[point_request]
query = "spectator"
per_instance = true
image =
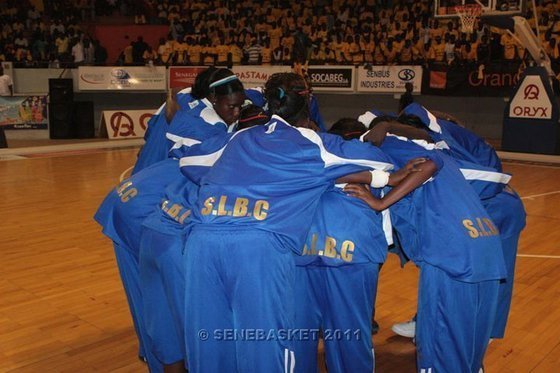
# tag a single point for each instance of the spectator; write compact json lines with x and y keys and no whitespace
{"x":235,"y":55}
{"x":390,"y":53}
{"x":277,"y":56}
{"x":437,"y":52}
{"x":194,"y":51}
{"x":100,"y":53}
{"x":78,"y":52}
{"x":6,"y":84}
{"x":222,"y":51}
{"x":126,"y":57}
{"x":150,"y":56}
{"x":57,"y":26}
{"x":62,"y":46}
{"x":138,"y":49}
{"x":89,"y":52}
{"x":317,"y":56}
{"x":508,"y":44}
{"x":254,"y":53}
{"x":165,"y":50}
{"x":208,"y":52}
{"x":483,"y":50}
{"x":449,"y":48}
{"x":405,"y":55}
{"x":266,"y":54}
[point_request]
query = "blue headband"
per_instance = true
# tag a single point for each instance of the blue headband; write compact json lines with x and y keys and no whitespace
{"x":223,"y":81}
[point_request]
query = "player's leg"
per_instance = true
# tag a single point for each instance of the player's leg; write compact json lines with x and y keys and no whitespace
{"x":507,"y":212}
{"x":162,"y":281}
{"x":130,"y":276}
{"x":208,"y":314}
{"x":261,"y":276}
{"x":485,"y":318}
{"x":445,"y":323}
{"x":347,"y":310}
{"x":505,"y":292}
{"x":307,"y":319}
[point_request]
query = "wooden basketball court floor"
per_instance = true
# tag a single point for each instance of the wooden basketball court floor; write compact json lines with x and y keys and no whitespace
{"x":62,"y":306}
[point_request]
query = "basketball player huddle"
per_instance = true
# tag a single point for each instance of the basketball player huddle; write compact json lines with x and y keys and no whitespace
{"x":247,"y":232}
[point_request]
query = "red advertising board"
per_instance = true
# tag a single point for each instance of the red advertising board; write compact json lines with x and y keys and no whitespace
{"x":183,"y":76}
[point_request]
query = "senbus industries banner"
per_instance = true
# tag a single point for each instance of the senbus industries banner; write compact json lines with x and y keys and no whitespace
{"x":138,"y":78}
{"x":389,"y":79}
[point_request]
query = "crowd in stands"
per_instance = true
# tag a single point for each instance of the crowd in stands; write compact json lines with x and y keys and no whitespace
{"x":376,"y":32}
{"x":53,"y":36}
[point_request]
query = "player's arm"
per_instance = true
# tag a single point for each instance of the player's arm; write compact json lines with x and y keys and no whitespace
{"x":394,"y":179}
{"x":377,"y":134}
{"x":412,"y":181}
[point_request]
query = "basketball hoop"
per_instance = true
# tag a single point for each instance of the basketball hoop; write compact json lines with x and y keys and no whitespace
{"x":468,"y":15}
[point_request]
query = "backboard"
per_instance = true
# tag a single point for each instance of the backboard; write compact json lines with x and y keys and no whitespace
{"x":446,"y":8}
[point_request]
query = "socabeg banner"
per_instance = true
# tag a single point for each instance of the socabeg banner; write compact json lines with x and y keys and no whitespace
{"x":183,"y":76}
{"x":139,"y":78}
{"x":127,"y":124}
{"x":331,"y":78}
{"x":23,"y":112}
{"x":256,"y":76}
{"x":389,"y":79}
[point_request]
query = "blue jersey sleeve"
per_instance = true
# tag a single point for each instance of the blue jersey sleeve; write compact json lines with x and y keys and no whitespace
{"x":341,"y":157}
{"x":195,"y":161}
{"x":315,"y":114}
{"x":463,"y":144}
{"x":256,"y":96}
{"x":156,"y":147}
{"x":400,"y":151}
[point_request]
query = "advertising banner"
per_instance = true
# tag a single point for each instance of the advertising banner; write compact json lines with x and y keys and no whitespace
{"x":389,"y":79}
{"x":183,"y":76}
{"x":24,"y":112}
{"x":332,"y":78}
{"x":531,"y":100}
{"x":494,"y":79}
{"x":127,"y":124}
{"x":256,"y":76}
{"x":139,"y":78}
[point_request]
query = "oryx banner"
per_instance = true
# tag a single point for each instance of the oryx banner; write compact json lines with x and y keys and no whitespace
{"x":135,"y":78}
{"x":127,"y":124}
{"x":331,"y":78}
{"x":23,"y":112}
{"x":389,"y":79}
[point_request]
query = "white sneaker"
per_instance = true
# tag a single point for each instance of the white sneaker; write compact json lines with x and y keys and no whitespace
{"x":405,"y":329}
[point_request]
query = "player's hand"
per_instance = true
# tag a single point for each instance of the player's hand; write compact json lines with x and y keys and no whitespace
{"x":362,"y":192}
{"x":413,"y":165}
{"x":377,"y":134}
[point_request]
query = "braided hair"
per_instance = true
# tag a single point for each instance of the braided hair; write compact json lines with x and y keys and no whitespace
{"x":348,"y":128}
{"x":287,"y":96}
{"x":220,"y":82}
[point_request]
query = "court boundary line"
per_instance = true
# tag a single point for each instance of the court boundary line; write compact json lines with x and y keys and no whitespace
{"x":106,"y":144}
{"x":529,"y":157}
{"x":527,"y":164}
{"x":541,"y":195}
{"x":538,"y":256}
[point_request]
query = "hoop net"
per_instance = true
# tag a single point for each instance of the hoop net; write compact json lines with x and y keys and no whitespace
{"x":468,"y":15}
